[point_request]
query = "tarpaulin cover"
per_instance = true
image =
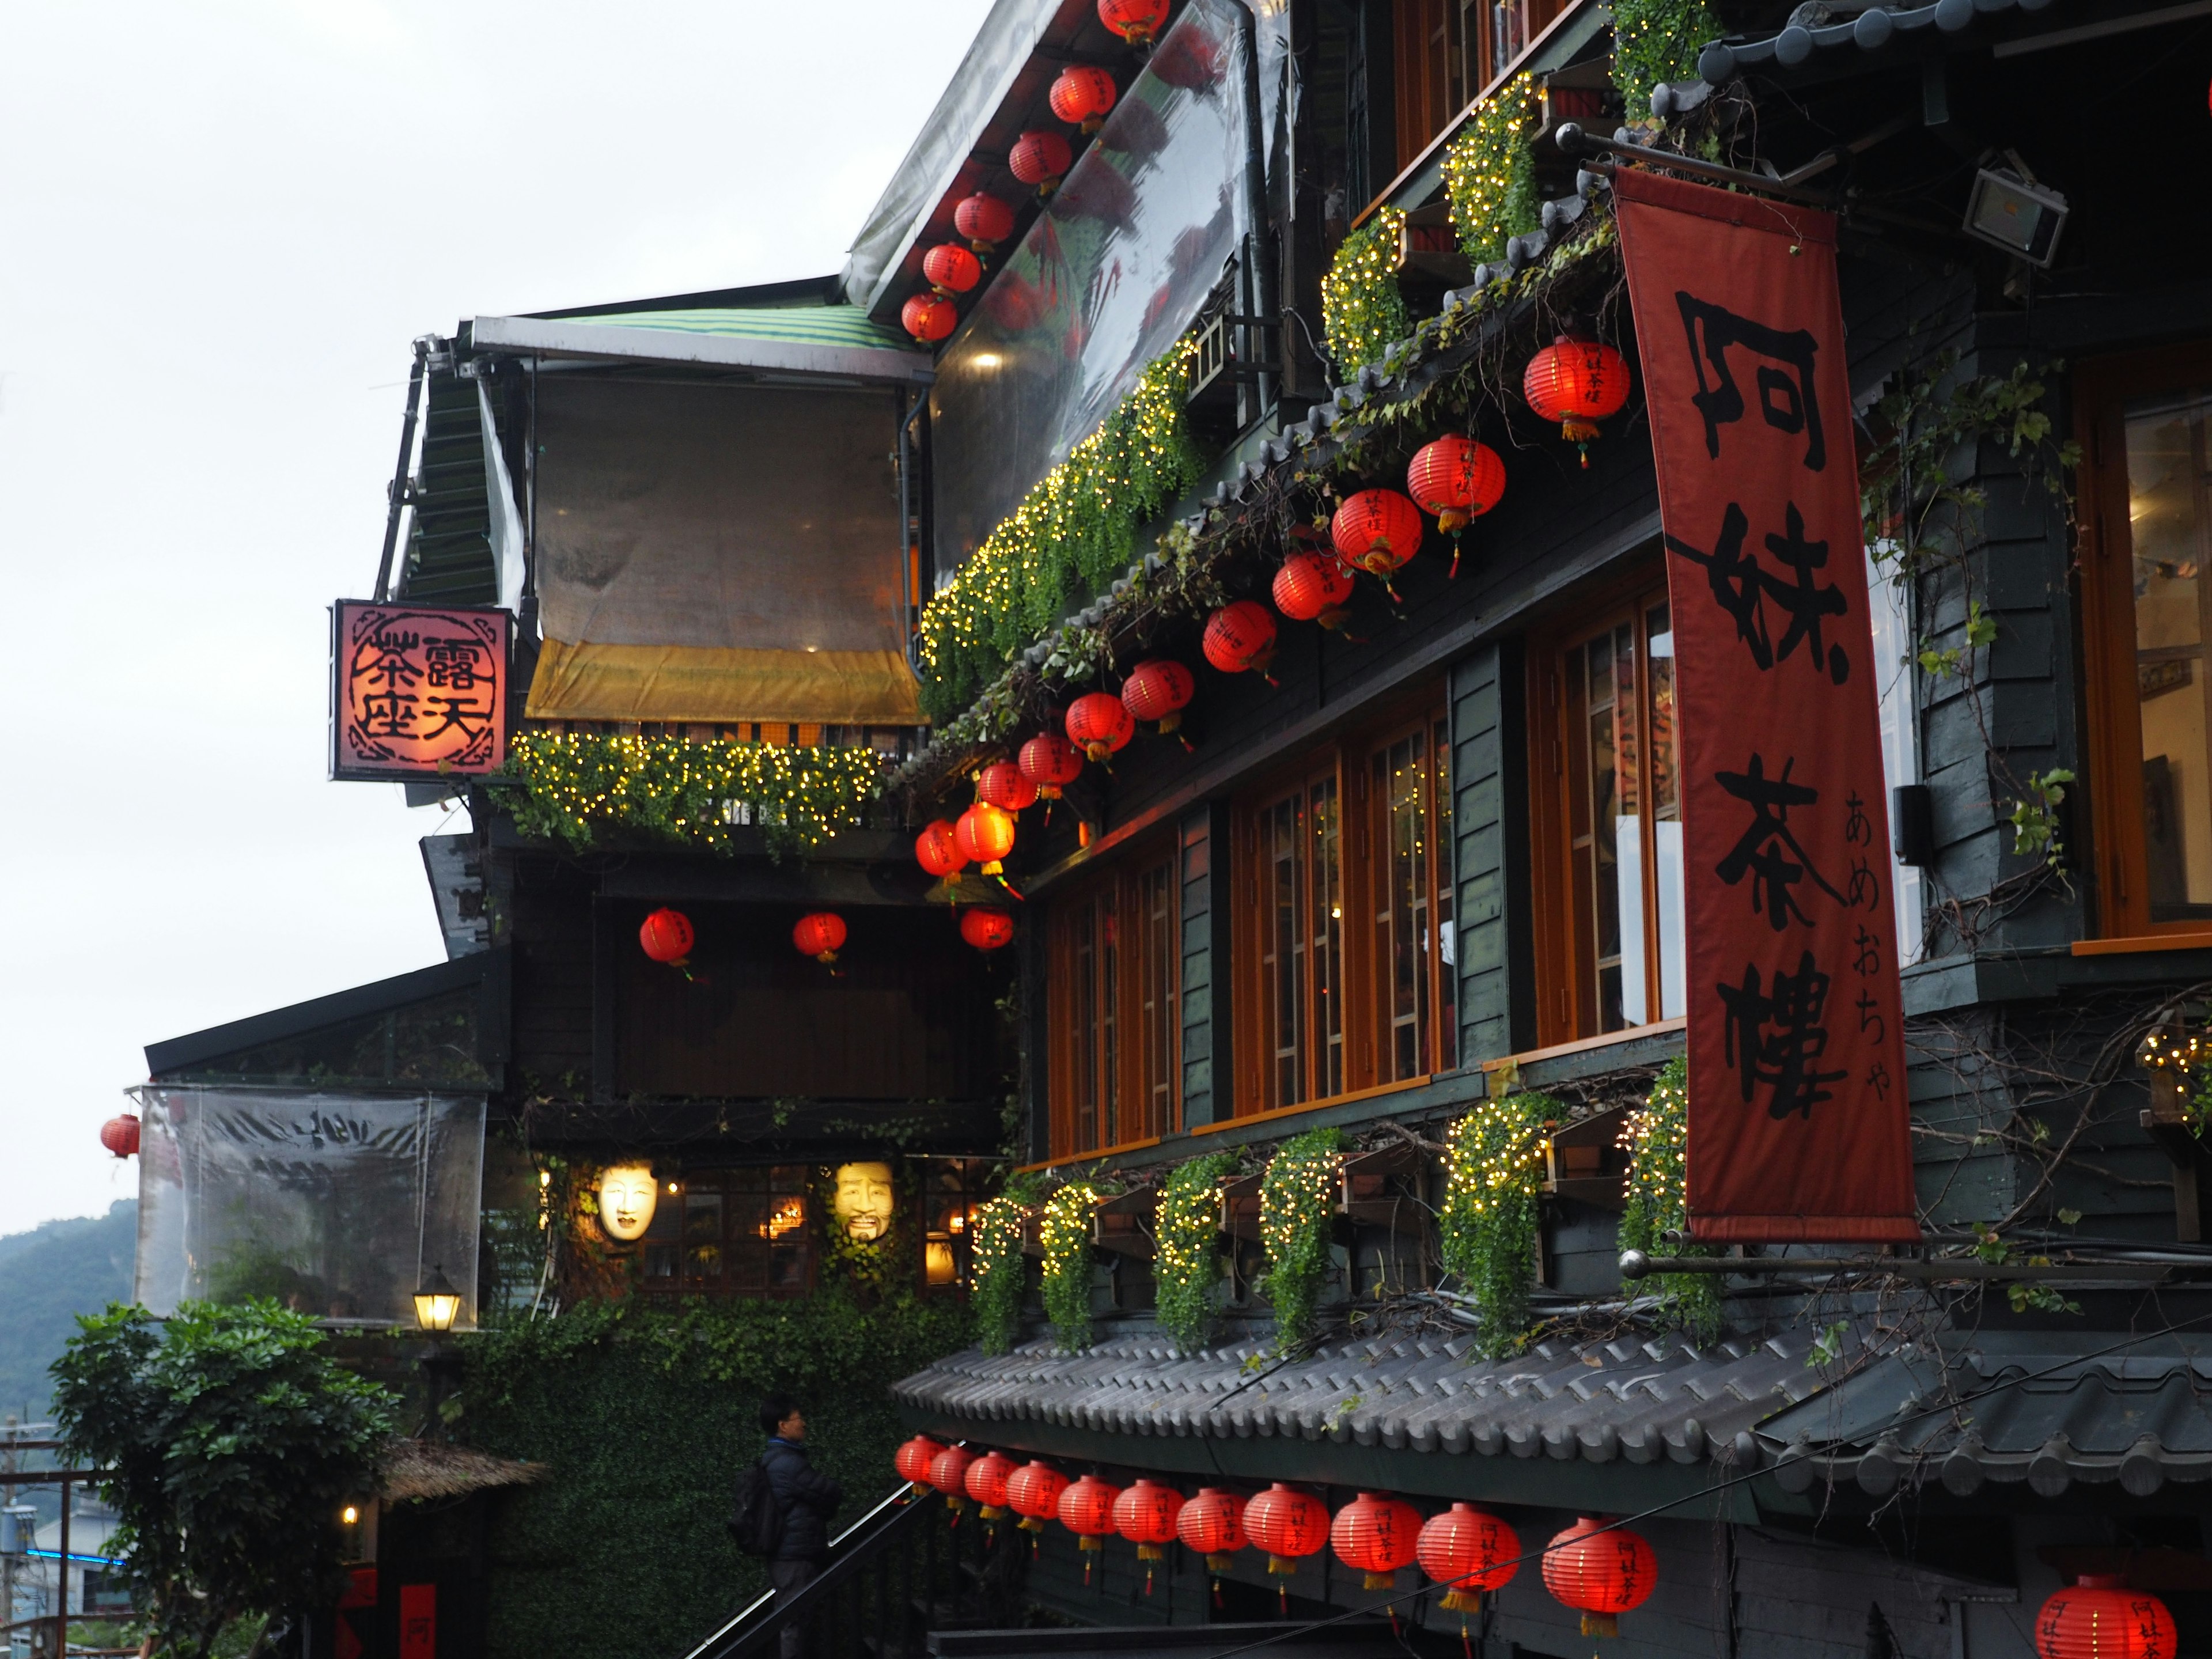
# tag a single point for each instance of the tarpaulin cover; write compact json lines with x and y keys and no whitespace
{"x":1108,"y":276}
{"x":337,"y":1204}
{"x":1798,"y":1124}
{"x":724,"y":520}
{"x":683,"y":683}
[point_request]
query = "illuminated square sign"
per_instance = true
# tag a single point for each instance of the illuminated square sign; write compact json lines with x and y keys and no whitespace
{"x":418,"y":691}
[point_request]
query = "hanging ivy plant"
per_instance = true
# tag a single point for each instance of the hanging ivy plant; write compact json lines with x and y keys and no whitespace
{"x":1657,"y":1137}
{"x":1065,"y":1232}
{"x":1185,"y":1251}
{"x":1494,"y":1184}
{"x":996,"y":1269}
{"x":1656,"y":40}
{"x":573,"y":788}
{"x":1489,"y":173}
{"x":1363,"y":310}
{"x":1298,"y":1198}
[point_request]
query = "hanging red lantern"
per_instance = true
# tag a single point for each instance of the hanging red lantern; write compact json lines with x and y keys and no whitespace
{"x":821,"y":936}
{"x":951,"y":268}
{"x":1577,"y":383}
{"x":1099,"y":723}
{"x":1377,"y":530}
{"x":2100,"y":1619}
{"x":1314,"y":587}
{"x":1158,"y":689}
{"x":1041,"y":159}
{"x":1458,"y":480}
{"x":938,"y":851}
{"x":929,"y":318}
{"x":985,"y":221}
{"x":1212,"y":1524}
{"x":986,"y":928}
{"x":1134,"y":20}
{"x":985,"y":835}
{"x":1086,"y":1509}
{"x":1601,"y":1572}
{"x":1051,"y":762}
{"x":986,"y":1482}
{"x":666,"y":937}
{"x":1289,"y":1524}
{"x":119,"y":1134}
{"x":1033,"y":1492}
{"x":1145,"y":1515}
{"x":1240,"y":635}
{"x":1469,"y":1551}
{"x":948,"y":1471}
{"x":1082,"y":95}
{"x":1003,"y":784}
{"x":913,"y":1459}
{"x":1378,"y":1535}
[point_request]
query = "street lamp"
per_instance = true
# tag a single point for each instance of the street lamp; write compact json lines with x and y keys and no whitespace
{"x":436,"y":1303}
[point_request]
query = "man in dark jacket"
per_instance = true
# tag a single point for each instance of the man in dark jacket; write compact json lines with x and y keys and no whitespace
{"x":807,"y":1498}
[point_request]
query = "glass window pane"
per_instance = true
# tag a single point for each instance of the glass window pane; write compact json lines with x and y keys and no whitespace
{"x":703,"y":1236}
{"x":1327,"y":913}
{"x":1447,"y":935}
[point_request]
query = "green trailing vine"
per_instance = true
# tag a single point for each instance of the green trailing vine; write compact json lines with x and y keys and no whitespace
{"x":1655,"y":1137}
{"x":1073,"y":533}
{"x":1297,"y":1200}
{"x":1186,"y":1252}
{"x":1656,"y":40}
{"x":996,"y":1268}
{"x":577,"y":789}
{"x":1493,"y":1189}
{"x":1362,"y":308}
{"x":1489,"y":173}
{"x":1065,"y":1232}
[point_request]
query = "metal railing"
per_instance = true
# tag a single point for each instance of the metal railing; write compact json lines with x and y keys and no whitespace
{"x":67,"y":1560}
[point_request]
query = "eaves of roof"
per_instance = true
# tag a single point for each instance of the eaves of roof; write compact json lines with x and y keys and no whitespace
{"x":837,"y":341}
{"x":1872,"y":30}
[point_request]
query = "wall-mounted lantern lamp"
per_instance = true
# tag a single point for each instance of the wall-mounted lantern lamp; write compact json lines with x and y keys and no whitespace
{"x":437,"y":1303}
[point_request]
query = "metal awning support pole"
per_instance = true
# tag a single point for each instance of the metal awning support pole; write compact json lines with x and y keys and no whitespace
{"x":397,"y":496}
{"x":61,"y":1578}
{"x":1260,"y":286}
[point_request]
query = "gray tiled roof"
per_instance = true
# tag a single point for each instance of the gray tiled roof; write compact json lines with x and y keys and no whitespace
{"x":1869,"y":31}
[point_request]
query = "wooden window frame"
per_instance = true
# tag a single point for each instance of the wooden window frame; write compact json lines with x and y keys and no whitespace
{"x":1118,"y":893}
{"x":730,"y":1187}
{"x":2102,"y":389}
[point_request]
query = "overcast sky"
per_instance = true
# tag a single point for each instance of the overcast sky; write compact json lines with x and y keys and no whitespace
{"x":221,"y":223}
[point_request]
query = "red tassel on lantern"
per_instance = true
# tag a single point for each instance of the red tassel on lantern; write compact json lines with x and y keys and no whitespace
{"x":1458,"y":480}
{"x":1377,"y":530}
{"x":666,"y":937}
{"x":119,"y":1134}
{"x":1082,"y":95}
{"x":929,"y":318}
{"x":1600,"y":1572}
{"x":986,"y":928}
{"x":1005,"y":786}
{"x":1051,"y":762}
{"x":951,"y":268}
{"x":821,"y":936}
{"x":1240,"y":635}
{"x":1135,"y":21}
{"x":938,"y":852}
{"x":1378,"y":1535}
{"x":2098,"y":1618}
{"x":1086,"y":1509}
{"x":1098,"y":721}
{"x":1041,"y":159}
{"x":985,"y":221}
{"x":1314,"y":587}
{"x":1290,"y":1525}
{"x":1158,"y":689}
{"x":987,"y":1479}
{"x":1033,"y":1492}
{"x":1145,"y":1515}
{"x":1577,"y":383}
{"x":913,"y":1459}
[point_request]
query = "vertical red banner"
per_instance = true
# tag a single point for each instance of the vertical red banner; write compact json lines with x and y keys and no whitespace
{"x":1798,"y":1124}
{"x":419,"y":1621}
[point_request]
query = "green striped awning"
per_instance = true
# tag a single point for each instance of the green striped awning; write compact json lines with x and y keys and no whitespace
{"x":829,"y":326}
{"x":837,"y":340}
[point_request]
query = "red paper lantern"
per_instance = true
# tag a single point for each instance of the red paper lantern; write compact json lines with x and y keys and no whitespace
{"x":1377,"y":530}
{"x":119,"y":1134}
{"x":1082,"y":95}
{"x":1134,"y":20}
{"x":666,"y":937}
{"x":1041,"y":159}
{"x":1003,"y":784}
{"x":986,"y":928}
{"x":938,"y":851}
{"x":985,"y":835}
{"x":1145,"y":1515}
{"x":986,"y":1482}
{"x":913,"y":1459}
{"x":1158,"y":689}
{"x":948,"y":1471}
{"x":1313,"y":587}
{"x":821,"y":936}
{"x":951,"y":268}
{"x":985,"y":221}
{"x":1456,"y":478}
{"x":1033,"y":1492}
{"x":1577,"y":383}
{"x":2100,"y":1619}
{"x":1050,"y":762}
{"x":929,"y":318}
{"x":1240,"y":635}
{"x":1601,"y":1571}
{"x":1289,"y":1524}
{"x":1378,"y":1535}
{"x":1099,"y":723}
{"x":1086,"y":1509}
{"x":1213,"y":1525}
{"x":1470,"y":1551}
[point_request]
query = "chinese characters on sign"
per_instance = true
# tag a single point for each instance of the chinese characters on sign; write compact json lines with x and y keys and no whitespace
{"x":1797,"y":1116}
{"x":417,"y":692}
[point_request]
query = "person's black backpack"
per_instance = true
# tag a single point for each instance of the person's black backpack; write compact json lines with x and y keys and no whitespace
{"x":756,"y":1517}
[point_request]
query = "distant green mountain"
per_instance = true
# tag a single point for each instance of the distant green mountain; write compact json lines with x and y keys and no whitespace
{"x":47,"y":1277}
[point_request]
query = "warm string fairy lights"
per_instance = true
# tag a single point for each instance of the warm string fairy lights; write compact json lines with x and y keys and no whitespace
{"x":1185,"y":1249}
{"x":1656,"y":40}
{"x":2187,"y":1060}
{"x":1493,"y":1186}
{"x":1072,"y":533}
{"x":574,"y":787}
{"x":1489,"y":173}
{"x":995,"y":1244}
{"x":1297,"y":1197}
{"x":1657,"y":1137}
{"x":1064,"y":1229}
{"x":1363,"y":310}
